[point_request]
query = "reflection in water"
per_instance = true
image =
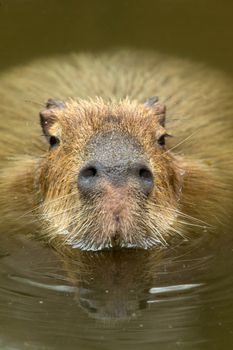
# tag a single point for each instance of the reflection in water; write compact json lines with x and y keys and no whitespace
{"x":163,"y":296}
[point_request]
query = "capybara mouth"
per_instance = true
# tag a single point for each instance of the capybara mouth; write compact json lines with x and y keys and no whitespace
{"x":114,"y":232}
{"x":115,"y":242}
{"x":112,"y":202}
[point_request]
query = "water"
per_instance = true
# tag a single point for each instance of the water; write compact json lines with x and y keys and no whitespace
{"x":178,"y":298}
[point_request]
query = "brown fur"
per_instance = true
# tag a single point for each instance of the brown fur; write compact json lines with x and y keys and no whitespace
{"x":192,"y":174}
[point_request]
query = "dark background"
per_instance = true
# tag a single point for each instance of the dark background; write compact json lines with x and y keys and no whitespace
{"x":198,"y":29}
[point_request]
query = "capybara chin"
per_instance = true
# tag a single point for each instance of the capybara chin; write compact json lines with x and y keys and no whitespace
{"x":117,"y":166}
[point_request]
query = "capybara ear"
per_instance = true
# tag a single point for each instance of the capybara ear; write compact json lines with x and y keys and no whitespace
{"x":47,"y":121}
{"x":50,"y":123}
{"x":158,"y":108}
{"x":51,"y":103}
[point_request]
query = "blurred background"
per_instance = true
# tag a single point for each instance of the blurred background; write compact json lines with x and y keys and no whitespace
{"x":198,"y":29}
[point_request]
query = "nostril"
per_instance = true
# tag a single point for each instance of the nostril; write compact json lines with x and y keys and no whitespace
{"x":145,"y":174}
{"x":146,"y":179}
{"x":87,"y":178}
{"x":89,"y":172}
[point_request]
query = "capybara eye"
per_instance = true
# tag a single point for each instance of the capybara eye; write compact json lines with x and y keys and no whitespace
{"x":161,"y":140}
{"x":54,"y":141}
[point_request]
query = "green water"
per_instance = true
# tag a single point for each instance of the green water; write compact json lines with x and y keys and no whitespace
{"x":183,"y":300}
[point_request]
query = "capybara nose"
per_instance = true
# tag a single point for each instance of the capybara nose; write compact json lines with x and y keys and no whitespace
{"x":139,"y":174}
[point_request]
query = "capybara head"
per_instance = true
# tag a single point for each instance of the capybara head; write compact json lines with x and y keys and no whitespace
{"x":107,"y":179}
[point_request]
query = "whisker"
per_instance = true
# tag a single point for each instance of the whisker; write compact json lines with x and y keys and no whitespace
{"x":35,"y":103}
{"x":182,"y":235}
{"x":46,"y":204}
{"x":181,"y":142}
{"x":63,"y":211}
{"x":178,"y":212}
{"x":190,"y":224}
